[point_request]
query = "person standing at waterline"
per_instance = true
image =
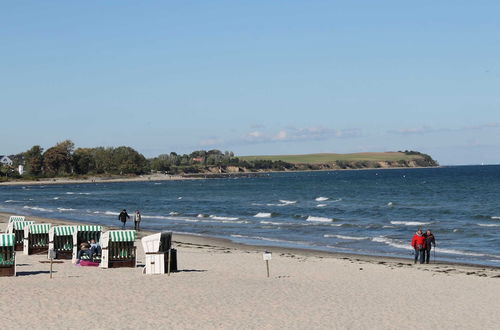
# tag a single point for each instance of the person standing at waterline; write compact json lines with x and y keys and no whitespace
{"x":137,"y":220}
{"x":123,"y":216}
{"x":418,"y":243}
{"x":429,"y":239}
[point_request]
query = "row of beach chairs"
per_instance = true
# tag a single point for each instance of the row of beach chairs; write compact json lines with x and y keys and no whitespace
{"x":118,"y":246}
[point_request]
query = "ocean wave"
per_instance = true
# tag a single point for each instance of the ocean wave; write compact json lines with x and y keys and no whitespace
{"x":336,"y":200}
{"x":79,"y":193}
{"x":215,"y":217}
{"x":356,"y":238}
{"x":106,"y":212}
{"x":410,"y":223}
{"x":489,"y":224}
{"x":62,"y":209}
{"x":495,"y":218}
{"x":201,"y":215}
{"x":393,"y":243}
{"x":274,"y":223}
{"x":277,"y":240}
{"x":12,"y":201}
{"x":321,"y":199}
{"x":318,"y":219}
{"x":174,"y":213}
{"x":286,"y":202}
{"x":390,"y":204}
{"x":263,"y":215}
{"x":35,"y":208}
{"x":321,"y":205}
{"x":55,"y":198}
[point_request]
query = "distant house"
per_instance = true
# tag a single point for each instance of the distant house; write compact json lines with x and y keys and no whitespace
{"x":198,"y":159}
{"x":5,"y":160}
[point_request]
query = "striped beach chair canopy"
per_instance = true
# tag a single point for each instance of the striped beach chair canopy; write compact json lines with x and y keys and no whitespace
{"x":64,"y":230}
{"x":14,"y":218}
{"x":88,"y":228}
{"x":7,"y":240}
{"x":39,"y":228}
{"x":122,"y":235}
{"x":19,"y":225}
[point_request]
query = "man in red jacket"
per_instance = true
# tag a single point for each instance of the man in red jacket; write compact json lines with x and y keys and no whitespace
{"x":418,"y":243}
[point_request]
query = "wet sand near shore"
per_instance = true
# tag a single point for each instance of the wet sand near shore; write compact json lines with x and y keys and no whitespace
{"x":223,"y":285}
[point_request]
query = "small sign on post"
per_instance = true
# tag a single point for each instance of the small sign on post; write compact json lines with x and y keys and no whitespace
{"x":267,"y":256}
{"x":52,"y":255}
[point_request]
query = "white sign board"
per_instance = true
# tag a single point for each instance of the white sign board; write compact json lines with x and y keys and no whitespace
{"x":267,"y":256}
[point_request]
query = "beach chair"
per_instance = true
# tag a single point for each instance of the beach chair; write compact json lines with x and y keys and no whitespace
{"x":84,"y":233}
{"x":61,"y":241}
{"x":118,"y":249}
{"x":7,"y":255}
{"x":17,"y":228}
{"x":158,"y":248}
{"x":36,"y":238}
{"x":13,"y":218}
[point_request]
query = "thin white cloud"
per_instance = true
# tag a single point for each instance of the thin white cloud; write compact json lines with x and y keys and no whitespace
{"x":291,"y":134}
{"x":428,"y":130}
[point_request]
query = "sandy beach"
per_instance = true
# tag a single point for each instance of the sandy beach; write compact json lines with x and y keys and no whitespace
{"x":223,"y":285}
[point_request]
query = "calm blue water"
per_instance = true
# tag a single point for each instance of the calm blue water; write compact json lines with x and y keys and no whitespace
{"x":371,"y":212}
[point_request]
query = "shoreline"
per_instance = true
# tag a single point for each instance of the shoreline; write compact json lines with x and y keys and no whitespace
{"x":193,"y":176}
{"x":184,"y":239}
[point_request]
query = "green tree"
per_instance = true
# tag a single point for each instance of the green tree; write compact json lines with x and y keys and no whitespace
{"x":34,"y":161}
{"x":57,"y":160}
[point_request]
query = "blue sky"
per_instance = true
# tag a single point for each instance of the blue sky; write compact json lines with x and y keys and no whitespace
{"x":254,"y":77}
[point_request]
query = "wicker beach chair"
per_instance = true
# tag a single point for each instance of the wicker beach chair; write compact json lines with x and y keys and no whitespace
{"x":84,"y":233}
{"x":61,"y":241}
{"x":118,"y":249}
{"x":7,"y":255}
{"x":36,"y":238}
{"x":158,"y":249}
{"x":17,"y":228}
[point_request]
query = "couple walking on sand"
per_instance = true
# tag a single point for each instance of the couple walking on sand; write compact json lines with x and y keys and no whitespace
{"x":422,"y":243}
{"x":123,"y":216}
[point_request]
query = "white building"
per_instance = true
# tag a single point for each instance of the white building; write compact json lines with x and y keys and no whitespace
{"x":20,"y":169}
{"x":5,"y":160}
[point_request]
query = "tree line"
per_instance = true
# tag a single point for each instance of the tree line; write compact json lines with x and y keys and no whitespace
{"x":64,"y":160}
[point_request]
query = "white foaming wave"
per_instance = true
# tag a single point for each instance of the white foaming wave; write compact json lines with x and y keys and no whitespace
{"x":155,"y":217}
{"x":387,"y":226}
{"x":263,"y":215}
{"x":390,"y":204}
{"x":12,"y":201}
{"x":273,"y":223}
{"x":260,"y":238}
{"x":80,"y":193}
{"x":174,"y":213}
{"x":495,"y":218}
{"x":318,"y":219}
{"x":55,"y":198}
{"x":286,"y":202}
{"x":201,"y":215}
{"x":215,"y":217}
{"x":322,"y":199}
{"x":410,"y":223}
{"x":391,"y":242}
{"x":336,"y":200}
{"x":321,"y":205}
{"x":356,"y":238}
{"x":489,"y":224}
{"x":106,"y":212}
{"x":62,"y":209}
{"x":37,"y":208}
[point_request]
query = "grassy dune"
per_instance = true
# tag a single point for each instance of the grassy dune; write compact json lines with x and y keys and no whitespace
{"x":330,"y":158}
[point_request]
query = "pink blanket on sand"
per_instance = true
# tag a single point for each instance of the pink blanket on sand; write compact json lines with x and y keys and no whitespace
{"x":88,"y":263}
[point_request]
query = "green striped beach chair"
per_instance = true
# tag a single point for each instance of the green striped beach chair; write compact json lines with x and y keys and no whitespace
{"x":13,"y":218}
{"x":7,"y":255}
{"x":84,"y":233}
{"x":118,"y":249}
{"x":36,"y":238}
{"x":61,"y":241}
{"x":17,"y":228}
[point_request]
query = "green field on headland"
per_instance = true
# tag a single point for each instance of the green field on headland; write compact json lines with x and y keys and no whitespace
{"x":325,"y":158}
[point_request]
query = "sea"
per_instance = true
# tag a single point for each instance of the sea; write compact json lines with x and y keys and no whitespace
{"x":366,"y":212}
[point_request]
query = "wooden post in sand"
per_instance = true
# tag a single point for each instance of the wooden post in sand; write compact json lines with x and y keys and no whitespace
{"x":52,"y":255}
{"x":267,"y":256}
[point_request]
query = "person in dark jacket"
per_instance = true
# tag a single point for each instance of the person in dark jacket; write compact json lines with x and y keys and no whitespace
{"x":429,"y":239}
{"x":418,"y":243}
{"x":123,"y":216}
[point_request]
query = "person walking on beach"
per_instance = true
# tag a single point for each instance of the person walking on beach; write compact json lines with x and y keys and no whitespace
{"x":418,"y":243}
{"x":137,"y":220}
{"x":123,"y":216}
{"x":429,"y":239}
